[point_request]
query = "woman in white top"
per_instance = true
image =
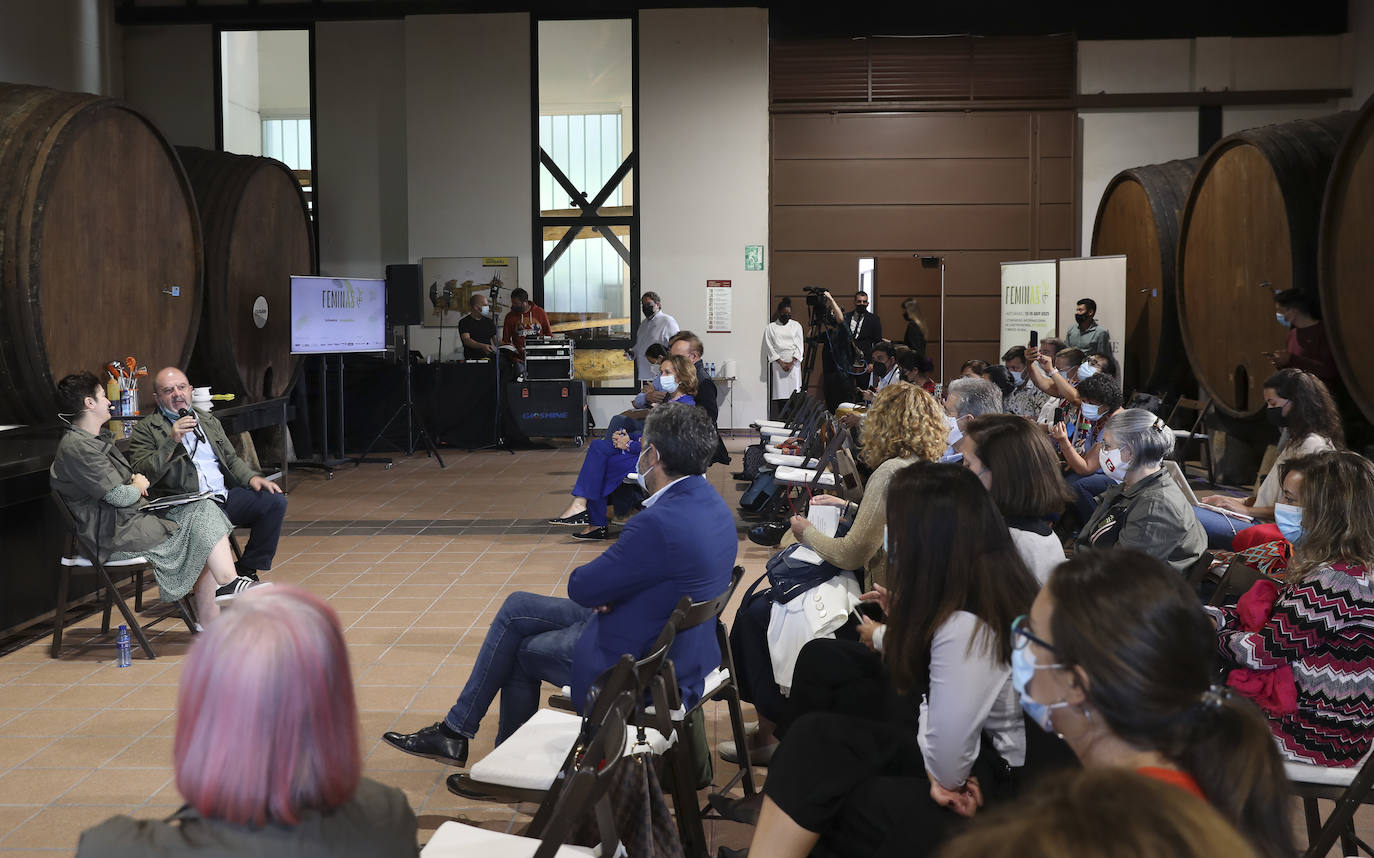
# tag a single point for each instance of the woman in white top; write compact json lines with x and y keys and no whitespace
{"x":848,"y":786}
{"x":1016,"y":463}
{"x":1298,"y":404}
{"x":784,"y":341}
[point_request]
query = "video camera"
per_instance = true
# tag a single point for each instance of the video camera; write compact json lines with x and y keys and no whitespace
{"x":816,"y":302}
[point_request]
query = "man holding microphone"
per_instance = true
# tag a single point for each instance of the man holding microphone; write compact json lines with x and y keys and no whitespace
{"x":182,"y":449}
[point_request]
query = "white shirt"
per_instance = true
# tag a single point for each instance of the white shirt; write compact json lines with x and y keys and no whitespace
{"x":970,"y":691}
{"x":656,"y":330}
{"x":207,"y":464}
{"x":785,"y":342}
{"x":889,"y":378}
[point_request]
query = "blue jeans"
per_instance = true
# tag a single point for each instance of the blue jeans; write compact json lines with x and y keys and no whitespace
{"x":1086,"y":489}
{"x":530,"y":641}
{"x":263,"y":513}
{"x":1221,"y":529}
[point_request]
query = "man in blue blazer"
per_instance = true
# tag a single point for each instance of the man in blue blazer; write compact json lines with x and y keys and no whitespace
{"x":682,"y":544}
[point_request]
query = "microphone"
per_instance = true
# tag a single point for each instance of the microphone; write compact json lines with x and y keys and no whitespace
{"x":186,"y":412}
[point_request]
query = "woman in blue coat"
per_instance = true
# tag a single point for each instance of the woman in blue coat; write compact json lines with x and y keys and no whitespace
{"x":610,"y":460}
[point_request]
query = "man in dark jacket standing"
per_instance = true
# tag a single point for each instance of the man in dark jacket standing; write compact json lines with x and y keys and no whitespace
{"x":180,"y":454}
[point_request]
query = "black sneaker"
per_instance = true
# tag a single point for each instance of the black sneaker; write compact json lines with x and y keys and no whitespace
{"x":236,"y":588}
{"x":432,"y":744}
{"x":576,"y":518}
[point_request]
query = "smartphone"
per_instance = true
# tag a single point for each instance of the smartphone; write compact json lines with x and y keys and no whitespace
{"x":1034,"y":340}
{"x":1058,"y":416}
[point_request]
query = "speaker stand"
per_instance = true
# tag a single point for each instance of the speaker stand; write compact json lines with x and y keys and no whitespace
{"x":415,"y":424}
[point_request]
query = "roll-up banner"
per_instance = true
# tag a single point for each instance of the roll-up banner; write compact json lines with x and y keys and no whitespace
{"x":1028,"y":302}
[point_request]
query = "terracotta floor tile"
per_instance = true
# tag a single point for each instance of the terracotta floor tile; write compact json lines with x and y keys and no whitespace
{"x":59,"y":827}
{"x":150,"y":751}
{"x":119,"y":786}
{"x":38,"y":786}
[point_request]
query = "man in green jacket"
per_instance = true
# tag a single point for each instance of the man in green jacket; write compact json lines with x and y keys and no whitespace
{"x":183,"y":449}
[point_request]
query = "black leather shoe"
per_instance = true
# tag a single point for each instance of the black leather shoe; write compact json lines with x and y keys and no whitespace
{"x":460,"y":785}
{"x":576,"y":518}
{"x":594,"y":533}
{"x":430,"y":743}
{"x":767,"y":535}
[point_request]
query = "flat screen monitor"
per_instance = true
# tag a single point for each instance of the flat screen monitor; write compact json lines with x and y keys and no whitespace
{"x":333,"y":315}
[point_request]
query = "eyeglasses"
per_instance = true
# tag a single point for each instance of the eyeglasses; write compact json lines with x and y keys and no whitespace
{"x":1021,"y":635}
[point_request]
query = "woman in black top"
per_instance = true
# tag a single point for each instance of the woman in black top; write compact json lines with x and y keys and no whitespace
{"x":915,"y":336}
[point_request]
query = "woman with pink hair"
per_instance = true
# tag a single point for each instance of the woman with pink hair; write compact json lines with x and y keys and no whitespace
{"x":266,"y":751}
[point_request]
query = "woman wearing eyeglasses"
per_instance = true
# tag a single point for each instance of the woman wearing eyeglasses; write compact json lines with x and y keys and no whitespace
{"x":1115,"y":656}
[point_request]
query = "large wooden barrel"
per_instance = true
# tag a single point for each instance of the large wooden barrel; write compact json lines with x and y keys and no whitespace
{"x":1139,"y":216}
{"x":98,"y":230}
{"x":257,"y":234}
{"x":1249,"y":229}
{"x":1346,"y":261}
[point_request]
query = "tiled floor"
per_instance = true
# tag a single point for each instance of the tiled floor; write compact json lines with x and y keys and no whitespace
{"x":415,"y":559}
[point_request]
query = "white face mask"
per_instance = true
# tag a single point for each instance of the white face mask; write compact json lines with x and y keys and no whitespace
{"x":1016,"y":376}
{"x":641,"y":475}
{"x":486,"y":309}
{"x":1092,"y":412}
{"x":1085,"y":370}
{"x":1111,"y":463}
{"x":954,"y":434}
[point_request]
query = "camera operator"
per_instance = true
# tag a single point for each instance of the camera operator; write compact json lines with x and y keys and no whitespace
{"x":837,"y":351}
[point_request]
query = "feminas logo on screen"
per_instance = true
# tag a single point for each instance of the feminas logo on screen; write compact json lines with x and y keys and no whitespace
{"x":346,"y":298}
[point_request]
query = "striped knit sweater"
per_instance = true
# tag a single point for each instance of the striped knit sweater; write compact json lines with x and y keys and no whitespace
{"x":1324,"y":628}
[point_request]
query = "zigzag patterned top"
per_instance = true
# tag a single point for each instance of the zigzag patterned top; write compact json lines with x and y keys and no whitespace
{"x":1324,"y":628}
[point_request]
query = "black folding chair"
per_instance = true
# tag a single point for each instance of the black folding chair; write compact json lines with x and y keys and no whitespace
{"x":1348,"y":788}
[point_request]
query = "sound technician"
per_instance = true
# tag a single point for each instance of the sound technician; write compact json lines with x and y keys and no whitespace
{"x":182,"y":449}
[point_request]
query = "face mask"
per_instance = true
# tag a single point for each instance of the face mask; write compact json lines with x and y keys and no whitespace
{"x":784,"y":318}
{"x":1016,"y":376}
{"x":1023,"y":668}
{"x":667,"y":383}
{"x":639,"y":476}
{"x":954,"y":433}
{"x":486,"y":309}
{"x":1275,"y":417}
{"x":169,"y":414}
{"x":1092,"y":412}
{"x":1111,"y":463}
{"x":861,"y":310}
{"x":648,"y":310}
{"x":885,"y":548}
{"x":1086,"y":370}
{"x":1080,"y":318}
{"x":1283,"y":321}
{"x":1289,"y":519}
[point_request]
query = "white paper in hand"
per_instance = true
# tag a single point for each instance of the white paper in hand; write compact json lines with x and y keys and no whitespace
{"x":826,"y":519}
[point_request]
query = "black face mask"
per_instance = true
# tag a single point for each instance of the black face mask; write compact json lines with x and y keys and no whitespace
{"x":1275,"y":417}
{"x":784,"y":318}
{"x":861,"y":309}
{"x":1080,"y":318}
{"x":648,"y":310}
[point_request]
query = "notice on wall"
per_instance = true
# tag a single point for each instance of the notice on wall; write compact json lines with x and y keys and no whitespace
{"x":719,"y":304}
{"x":1028,"y":301}
{"x":753,"y":257}
{"x":1103,"y":279}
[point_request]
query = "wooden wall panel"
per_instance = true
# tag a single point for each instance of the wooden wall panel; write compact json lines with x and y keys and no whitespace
{"x":973,"y":317}
{"x":903,"y":135}
{"x":838,"y":272}
{"x":1056,"y":225}
{"x":896,"y":227}
{"x":934,"y":181}
{"x":1057,"y":180}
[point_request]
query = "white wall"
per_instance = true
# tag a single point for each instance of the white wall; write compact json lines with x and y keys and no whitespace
{"x":703,"y":131}
{"x":63,"y":44}
{"x":240,"y":102}
{"x":169,"y":75}
{"x":468,"y":152}
{"x":284,"y":72}
{"x":360,"y":129}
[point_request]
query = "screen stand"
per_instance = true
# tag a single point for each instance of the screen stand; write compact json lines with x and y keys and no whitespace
{"x":415,"y":423}
{"x":323,"y":462}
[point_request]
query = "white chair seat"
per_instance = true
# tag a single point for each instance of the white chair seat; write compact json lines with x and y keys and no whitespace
{"x":1306,"y":773}
{"x":776,"y":459}
{"x":770,"y":424}
{"x":457,"y":840}
{"x":801,"y":476}
{"x":1184,"y":433}
{"x":532,"y":756}
{"x":776,"y":432}
{"x":110,"y":564}
{"x":714,"y":680}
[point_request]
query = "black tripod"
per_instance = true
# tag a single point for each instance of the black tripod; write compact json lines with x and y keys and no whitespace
{"x":498,"y":437}
{"x":415,"y":424}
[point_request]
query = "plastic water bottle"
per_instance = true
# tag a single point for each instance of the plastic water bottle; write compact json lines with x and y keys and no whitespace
{"x":125,"y":658}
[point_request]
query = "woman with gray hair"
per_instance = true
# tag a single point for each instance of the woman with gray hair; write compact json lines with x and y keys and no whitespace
{"x":1146,"y":510}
